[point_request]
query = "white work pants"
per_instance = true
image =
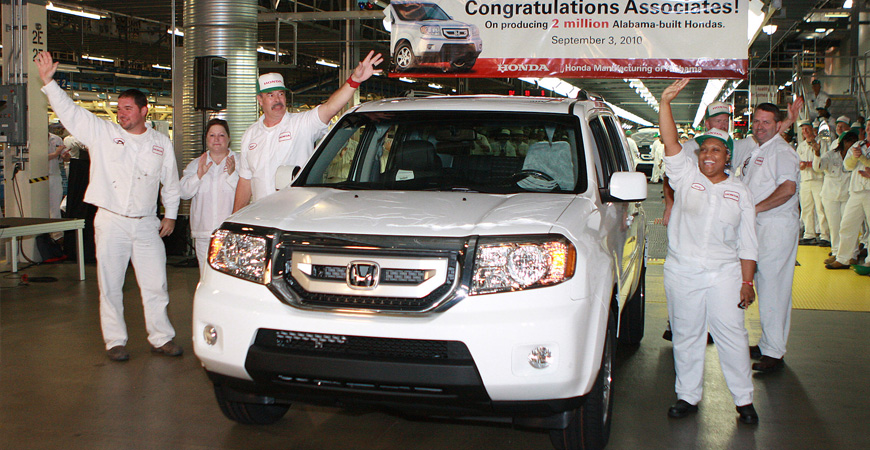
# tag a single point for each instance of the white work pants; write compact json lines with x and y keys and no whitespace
{"x":813,"y":214}
{"x":701,"y":300}
{"x":120,"y":240}
{"x":857,"y":211}
{"x":201,"y":246}
{"x":834,"y":212}
{"x":777,"y":250}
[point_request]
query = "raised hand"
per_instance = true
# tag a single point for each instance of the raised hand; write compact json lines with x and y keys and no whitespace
{"x":366,"y":68}
{"x":46,"y":65}
{"x":673,"y":90}
{"x":202,"y":167}
{"x":230,"y":166}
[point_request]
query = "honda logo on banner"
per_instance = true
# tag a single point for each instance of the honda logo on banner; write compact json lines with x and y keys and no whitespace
{"x":363,"y":274}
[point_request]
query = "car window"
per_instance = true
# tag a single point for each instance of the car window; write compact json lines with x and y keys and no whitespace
{"x":606,"y":161}
{"x":614,"y":133}
{"x":473,"y":151}
{"x":420,"y":11}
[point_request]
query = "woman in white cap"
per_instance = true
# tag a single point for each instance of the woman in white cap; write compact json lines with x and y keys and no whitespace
{"x":709,"y":270}
{"x":210,"y":180}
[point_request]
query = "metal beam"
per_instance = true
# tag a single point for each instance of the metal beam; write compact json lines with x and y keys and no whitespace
{"x":320,"y":15}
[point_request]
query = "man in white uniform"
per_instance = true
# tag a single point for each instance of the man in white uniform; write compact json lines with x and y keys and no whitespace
{"x":770,"y":169}
{"x":129,"y":162}
{"x":280,"y":138}
{"x":812,"y":210}
{"x":817,"y":99}
{"x":57,"y":152}
{"x":857,"y":209}
{"x":835,"y":189}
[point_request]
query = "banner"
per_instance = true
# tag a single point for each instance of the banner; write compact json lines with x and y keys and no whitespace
{"x":568,"y":38}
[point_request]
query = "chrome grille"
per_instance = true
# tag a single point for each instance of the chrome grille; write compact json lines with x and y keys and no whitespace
{"x":455,"y":33}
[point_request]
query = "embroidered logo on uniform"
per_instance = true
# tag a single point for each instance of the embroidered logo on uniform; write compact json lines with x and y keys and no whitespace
{"x":284,"y":136}
{"x":759,"y":161}
{"x":118,"y":141}
{"x":731,"y":195}
{"x":252,"y":146}
{"x":157,"y":150}
{"x":698,"y":187}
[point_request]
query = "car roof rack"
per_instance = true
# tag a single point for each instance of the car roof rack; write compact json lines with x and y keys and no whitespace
{"x":413,"y":93}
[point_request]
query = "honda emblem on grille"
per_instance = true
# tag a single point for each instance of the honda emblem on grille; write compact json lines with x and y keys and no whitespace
{"x":363,"y":274}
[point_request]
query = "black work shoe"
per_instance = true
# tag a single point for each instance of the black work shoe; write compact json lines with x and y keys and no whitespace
{"x":808,"y":241}
{"x":118,"y":353}
{"x":836,"y":265}
{"x":824,"y":243}
{"x":754,"y":352}
{"x":710,"y":339}
{"x":668,"y":335}
{"x":681,"y":409}
{"x":747,"y":414}
{"x":768,"y":364}
{"x":169,"y":349}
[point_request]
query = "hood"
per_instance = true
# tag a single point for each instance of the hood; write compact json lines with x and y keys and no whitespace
{"x":445,"y":214}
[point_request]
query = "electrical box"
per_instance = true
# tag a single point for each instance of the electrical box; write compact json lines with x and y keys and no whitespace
{"x":13,"y":114}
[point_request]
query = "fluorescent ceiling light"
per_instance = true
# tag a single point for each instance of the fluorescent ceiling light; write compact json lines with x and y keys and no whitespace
{"x":769,"y":29}
{"x":97,"y":58}
{"x":847,"y":4}
{"x":435,"y":86}
{"x":836,"y":15}
{"x":324,"y":62}
{"x":628,"y":116}
{"x":74,"y":12}
{"x":158,"y":66}
{"x":407,"y":80}
{"x":267,"y":51}
{"x":710,"y":93}
{"x":177,"y":32}
{"x":821,"y":30}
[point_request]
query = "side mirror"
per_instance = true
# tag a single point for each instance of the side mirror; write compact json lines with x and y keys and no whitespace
{"x":628,"y":186}
{"x":285,"y":175}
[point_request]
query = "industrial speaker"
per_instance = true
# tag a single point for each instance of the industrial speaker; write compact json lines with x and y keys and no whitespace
{"x":211,"y":83}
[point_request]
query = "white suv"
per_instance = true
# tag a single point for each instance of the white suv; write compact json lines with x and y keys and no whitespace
{"x":459,"y":256}
{"x":422,"y":33}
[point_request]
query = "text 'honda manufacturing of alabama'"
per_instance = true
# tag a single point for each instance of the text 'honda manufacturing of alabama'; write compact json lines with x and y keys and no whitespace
{"x":448,"y":256}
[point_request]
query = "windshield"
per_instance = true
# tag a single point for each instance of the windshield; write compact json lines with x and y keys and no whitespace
{"x":416,"y":12}
{"x":450,"y":151}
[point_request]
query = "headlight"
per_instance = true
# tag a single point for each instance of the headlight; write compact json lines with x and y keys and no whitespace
{"x":510,"y":265}
{"x":432,"y":30}
{"x":240,"y":255}
{"x":475,"y":31}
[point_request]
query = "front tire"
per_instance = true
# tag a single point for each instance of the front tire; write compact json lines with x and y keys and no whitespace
{"x":404,"y":57}
{"x":249,"y":413}
{"x":589,"y":429}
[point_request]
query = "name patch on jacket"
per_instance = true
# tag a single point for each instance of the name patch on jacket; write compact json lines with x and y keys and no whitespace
{"x":157,"y":150}
{"x":118,"y":141}
{"x":731,"y":195}
{"x":759,"y":161}
{"x":698,"y":187}
{"x":285,"y":136}
{"x":252,"y":146}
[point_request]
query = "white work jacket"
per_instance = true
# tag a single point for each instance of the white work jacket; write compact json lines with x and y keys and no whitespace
{"x":762,"y":169}
{"x":126,"y":169}
{"x":806,"y":154}
{"x":289,"y":143}
{"x":836,"y":185}
{"x":711,"y":223}
{"x":858,"y":183}
{"x":212,"y":195}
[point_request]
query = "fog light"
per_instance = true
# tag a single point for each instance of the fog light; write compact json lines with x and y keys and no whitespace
{"x":209,"y":333}
{"x":540,"y":357}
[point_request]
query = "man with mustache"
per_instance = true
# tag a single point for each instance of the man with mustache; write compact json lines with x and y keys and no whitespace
{"x":280,"y":138}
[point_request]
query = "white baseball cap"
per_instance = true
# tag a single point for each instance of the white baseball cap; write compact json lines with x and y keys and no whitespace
{"x":269,"y":82}
{"x":718,"y":134}
{"x":843,"y":119}
{"x":716,"y":108}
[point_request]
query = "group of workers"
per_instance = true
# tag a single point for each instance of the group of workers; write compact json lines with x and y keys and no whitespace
{"x":835,"y":189}
{"x":130,"y":163}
